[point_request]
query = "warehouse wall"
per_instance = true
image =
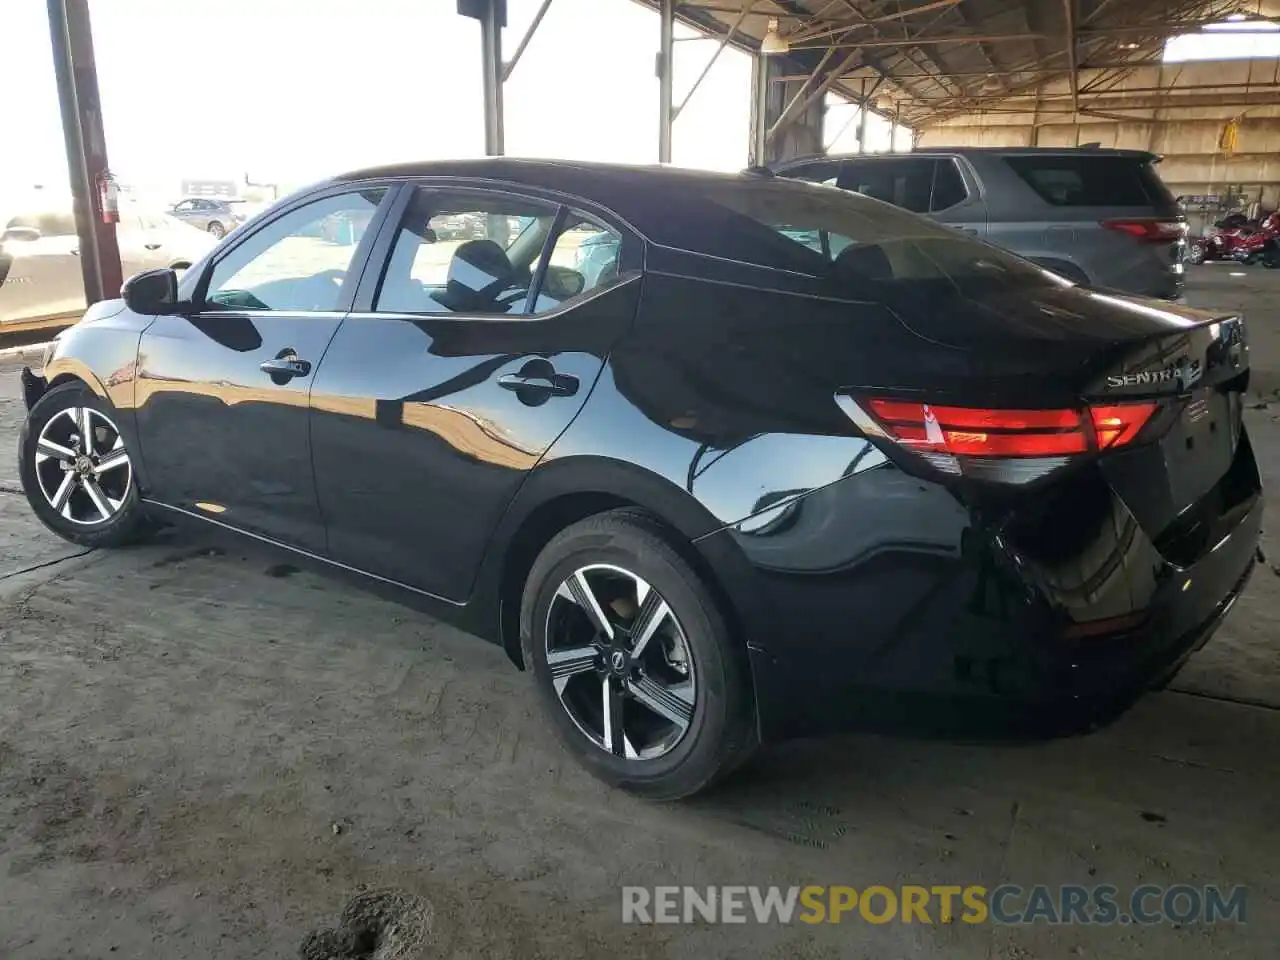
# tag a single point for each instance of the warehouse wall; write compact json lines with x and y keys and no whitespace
{"x":1182,"y":124}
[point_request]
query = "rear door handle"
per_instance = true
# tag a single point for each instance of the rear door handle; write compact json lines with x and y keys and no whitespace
{"x":556,"y":385}
{"x":537,"y":382}
{"x":285,"y":367}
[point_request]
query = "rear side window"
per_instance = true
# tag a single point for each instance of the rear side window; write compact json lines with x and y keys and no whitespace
{"x":1083,"y":181}
{"x":841,"y":237}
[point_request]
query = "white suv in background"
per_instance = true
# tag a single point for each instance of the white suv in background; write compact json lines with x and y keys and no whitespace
{"x":40,"y":275}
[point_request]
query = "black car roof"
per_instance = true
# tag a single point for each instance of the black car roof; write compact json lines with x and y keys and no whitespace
{"x":616,"y":186}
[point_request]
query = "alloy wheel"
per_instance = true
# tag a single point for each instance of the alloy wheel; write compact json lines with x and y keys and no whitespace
{"x":82,"y":466}
{"x":620,"y":662}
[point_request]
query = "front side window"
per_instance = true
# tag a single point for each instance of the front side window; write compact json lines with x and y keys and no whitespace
{"x":298,"y":261}
{"x":467,"y":251}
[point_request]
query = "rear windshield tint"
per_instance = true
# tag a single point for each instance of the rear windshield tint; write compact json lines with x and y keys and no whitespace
{"x":851,"y":240}
{"x":1082,"y":181}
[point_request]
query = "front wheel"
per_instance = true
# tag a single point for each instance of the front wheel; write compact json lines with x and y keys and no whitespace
{"x":1196,"y":253}
{"x":76,"y":470}
{"x":633,"y":659}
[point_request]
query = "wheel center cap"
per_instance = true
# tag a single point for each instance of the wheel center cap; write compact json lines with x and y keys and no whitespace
{"x":618,"y":662}
{"x":83,"y":465}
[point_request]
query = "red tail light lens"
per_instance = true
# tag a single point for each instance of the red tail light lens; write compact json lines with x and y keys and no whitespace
{"x":1149,"y":231}
{"x":976,"y":432}
{"x":1117,"y":424}
{"x":1012,"y":446}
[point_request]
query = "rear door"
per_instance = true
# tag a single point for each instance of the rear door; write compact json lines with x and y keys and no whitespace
{"x":461,"y":363}
{"x":935,"y":186}
{"x":222,"y":392}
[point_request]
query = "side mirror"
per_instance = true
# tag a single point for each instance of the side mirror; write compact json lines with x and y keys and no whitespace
{"x":152,"y":293}
{"x":20,"y":234}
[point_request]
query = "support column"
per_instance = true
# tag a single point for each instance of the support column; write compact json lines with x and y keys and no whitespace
{"x":666,"y":106}
{"x":771,"y":98}
{"x":492,"y":15}
{"x":86,"y":146}
{"x":864,"y":114}
{"x":761,"y":120}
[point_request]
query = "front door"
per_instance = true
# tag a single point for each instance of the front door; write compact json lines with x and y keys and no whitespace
{"x":222,"y":393}
{"x":476,"y":347}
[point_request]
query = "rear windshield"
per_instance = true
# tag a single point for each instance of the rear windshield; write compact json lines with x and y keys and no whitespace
{"x":1083,"y":181}
{"x":833,"y":234}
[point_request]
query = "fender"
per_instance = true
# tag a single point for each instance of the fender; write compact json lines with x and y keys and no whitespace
{"x":572,"y":488}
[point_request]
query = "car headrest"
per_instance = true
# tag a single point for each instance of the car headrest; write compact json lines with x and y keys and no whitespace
{"x":478,"y":273}
{"x":865,"y":262}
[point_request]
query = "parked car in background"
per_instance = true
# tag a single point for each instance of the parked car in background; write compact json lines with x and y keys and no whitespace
{"x":1101,"y":218}
{"x":40,"y":274}
{"x":794,"y":460}
{"x":216,"y":217}
{"x":1240,"y":240}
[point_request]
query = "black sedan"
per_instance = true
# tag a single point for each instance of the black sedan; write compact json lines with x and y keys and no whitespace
{"x":791,"y":461}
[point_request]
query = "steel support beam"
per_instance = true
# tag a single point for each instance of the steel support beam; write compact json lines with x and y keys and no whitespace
{"x":524,"y":41}
{"x":1073,"y":74}
{"x":864,"y":114}
{"x":761,"y":86}
{"x":666,"y":88}
{"x":802,"y":133}
{"x":82,"y":131}
{"x":932,"y":40}
{"x":492,"y":15}
{"x":724,"y":42}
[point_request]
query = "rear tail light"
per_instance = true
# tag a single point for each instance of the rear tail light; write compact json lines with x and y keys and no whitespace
{"x":1013,"y":446}
{"x":1149,"y":230}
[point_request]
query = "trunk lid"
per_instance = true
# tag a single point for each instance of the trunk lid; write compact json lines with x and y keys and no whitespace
{"x":1074,"y":347}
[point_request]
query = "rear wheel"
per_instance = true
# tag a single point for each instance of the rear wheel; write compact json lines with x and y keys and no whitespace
{"x":633,"y":659}
{"x":217,"y":230}
{"x":76,"y":470}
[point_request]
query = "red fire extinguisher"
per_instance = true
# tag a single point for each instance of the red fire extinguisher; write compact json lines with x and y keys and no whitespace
{"x":108,"y":198}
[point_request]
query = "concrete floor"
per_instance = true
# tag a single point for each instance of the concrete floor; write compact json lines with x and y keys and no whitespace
{"x":204,"y":753}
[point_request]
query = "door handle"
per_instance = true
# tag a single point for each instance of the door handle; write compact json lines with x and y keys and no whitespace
{"x":152,"y":246}
{"x":557,"y":385}
{"x":285,"y":367}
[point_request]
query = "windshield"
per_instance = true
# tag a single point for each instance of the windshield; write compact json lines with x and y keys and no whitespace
{"x":830,"y":233}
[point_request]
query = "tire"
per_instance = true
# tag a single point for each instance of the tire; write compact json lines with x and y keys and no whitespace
{"x":106,"y":514}
{"x":718,"y":731}
{"x":1196,"y":254}
{"x":217,"y":230}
